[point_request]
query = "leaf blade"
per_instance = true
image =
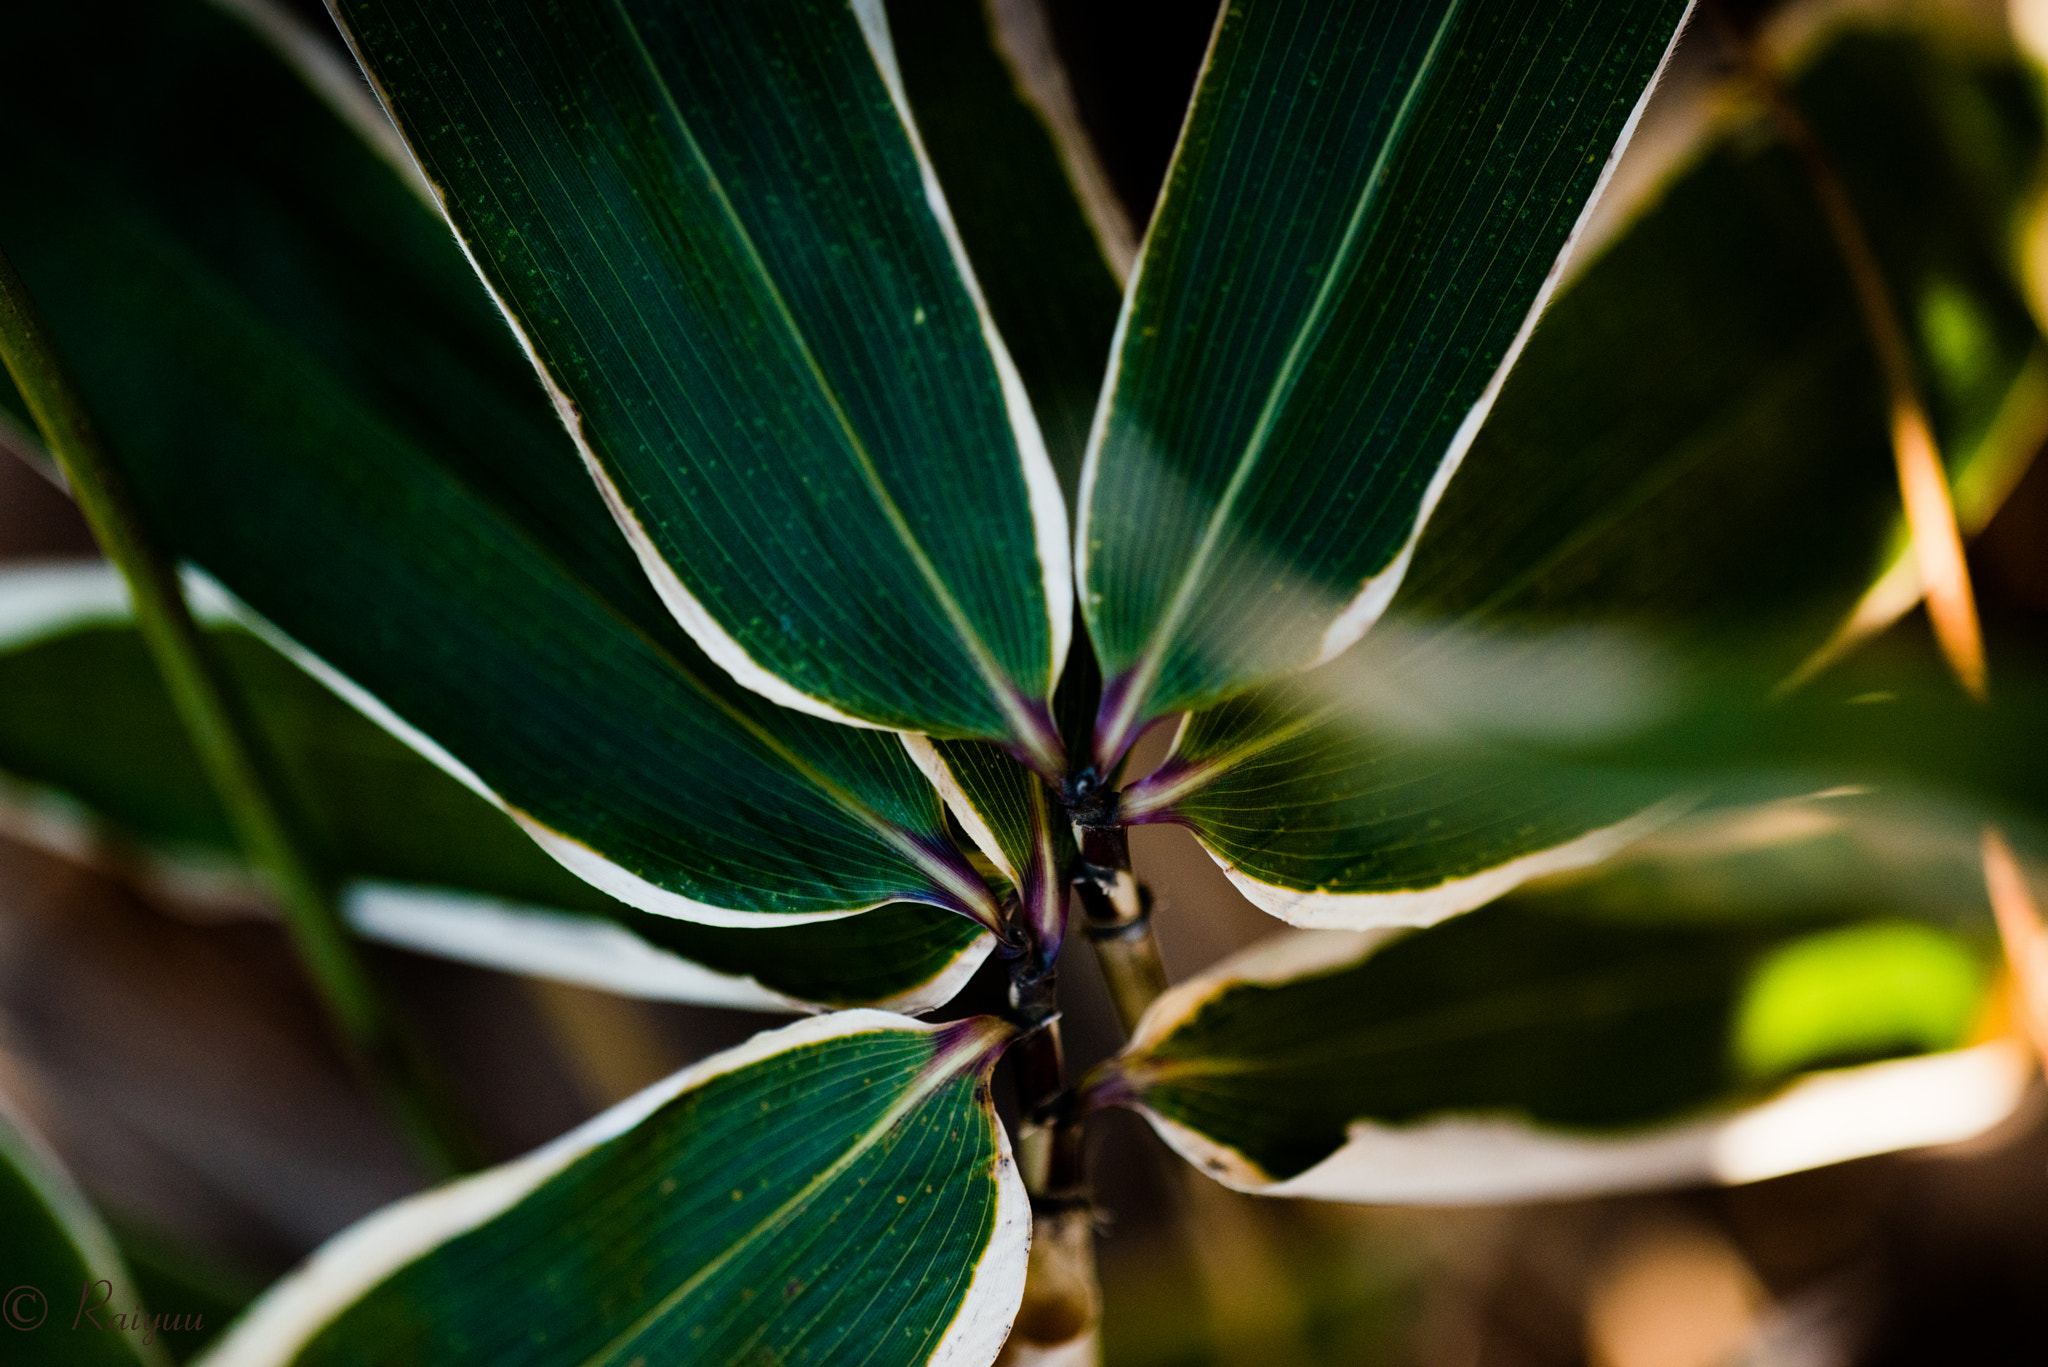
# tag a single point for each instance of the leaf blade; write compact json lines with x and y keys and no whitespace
{"x":1392,"y":92}
{"x":1534,"y":1049}
{"x":430,"y":865}
{"x":1682,"y":489}
{"x":707,"y":335}
{"x":337,"y":426}
{"x":373,"y":1293}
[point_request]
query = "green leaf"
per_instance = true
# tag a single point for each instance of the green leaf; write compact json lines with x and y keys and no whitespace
{"x":1427,"y":773}
{"x":1355,"y":239}
{"x":722,"y":245}
{"x":1530,"y":1050}
{"x":55,"y":1250}
{"x":899,"y":957}
{"x":1640,"y":467}
{"x":1044,"y":231}
{"x":314,"y":401}
{"x":1369,"y":796}
{"x":881,"y":1216}
{"x":1803,"y":861}
{"x":100,"y":766}
{"x":1685,"y":486}
{"x":1013,"y":818}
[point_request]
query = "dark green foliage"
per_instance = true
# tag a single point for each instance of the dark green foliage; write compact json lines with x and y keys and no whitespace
{"x":710,"y":223}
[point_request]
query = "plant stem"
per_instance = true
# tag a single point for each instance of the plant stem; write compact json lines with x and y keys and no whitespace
{"x":1062,"y":1295}
{"x":1251,"y":1304}
{"x":1061,"y":1312}
{"x":1049,"y":1139}
{"x":1118,"y":912}
{"x":220,"y":734}
{"x":1923,"y":482}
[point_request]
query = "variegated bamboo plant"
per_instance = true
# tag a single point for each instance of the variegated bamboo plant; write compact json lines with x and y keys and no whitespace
{"x":1462,"y":504}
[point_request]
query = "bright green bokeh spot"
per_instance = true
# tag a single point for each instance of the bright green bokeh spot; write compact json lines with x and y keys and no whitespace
{"x":1857,"y":993}
{"x":1958,"y":338}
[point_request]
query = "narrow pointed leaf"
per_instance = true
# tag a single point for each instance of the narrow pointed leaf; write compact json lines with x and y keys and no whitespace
{"x":315,"y":402}
{"x":1529,"y":1050}
{"x":1355,"y":238}
{"x":880,"y":1217}
{"x":1045,"y":234}
{"x":98,"y":765}
{"x":901,"y":957}
{"x":1428,"y":773}
{"x":1685,"y":486}
{"x":720,"y":241}
{"x":1345,"y":809}
{"x":57,"y":1248}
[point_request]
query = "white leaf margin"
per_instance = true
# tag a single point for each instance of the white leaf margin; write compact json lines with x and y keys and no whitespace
{"x":1047,"y":505}
{"x":590,"y":951}
{"x":43,"y":600}
{"x":1365,"y":606}
{"x":1426,"y":906}
{"x":356,"y":1261}
{"x":1821,"y":1118}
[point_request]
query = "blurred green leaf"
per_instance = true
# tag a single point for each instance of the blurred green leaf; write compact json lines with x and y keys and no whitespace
{"x":1854,"y":993}
{"x":1529,"y":1049}
{"x":196,"y":1284}
{"x":83,"y":713}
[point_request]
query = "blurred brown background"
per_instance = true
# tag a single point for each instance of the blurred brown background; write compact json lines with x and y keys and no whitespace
{"x":181,"y":1068}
